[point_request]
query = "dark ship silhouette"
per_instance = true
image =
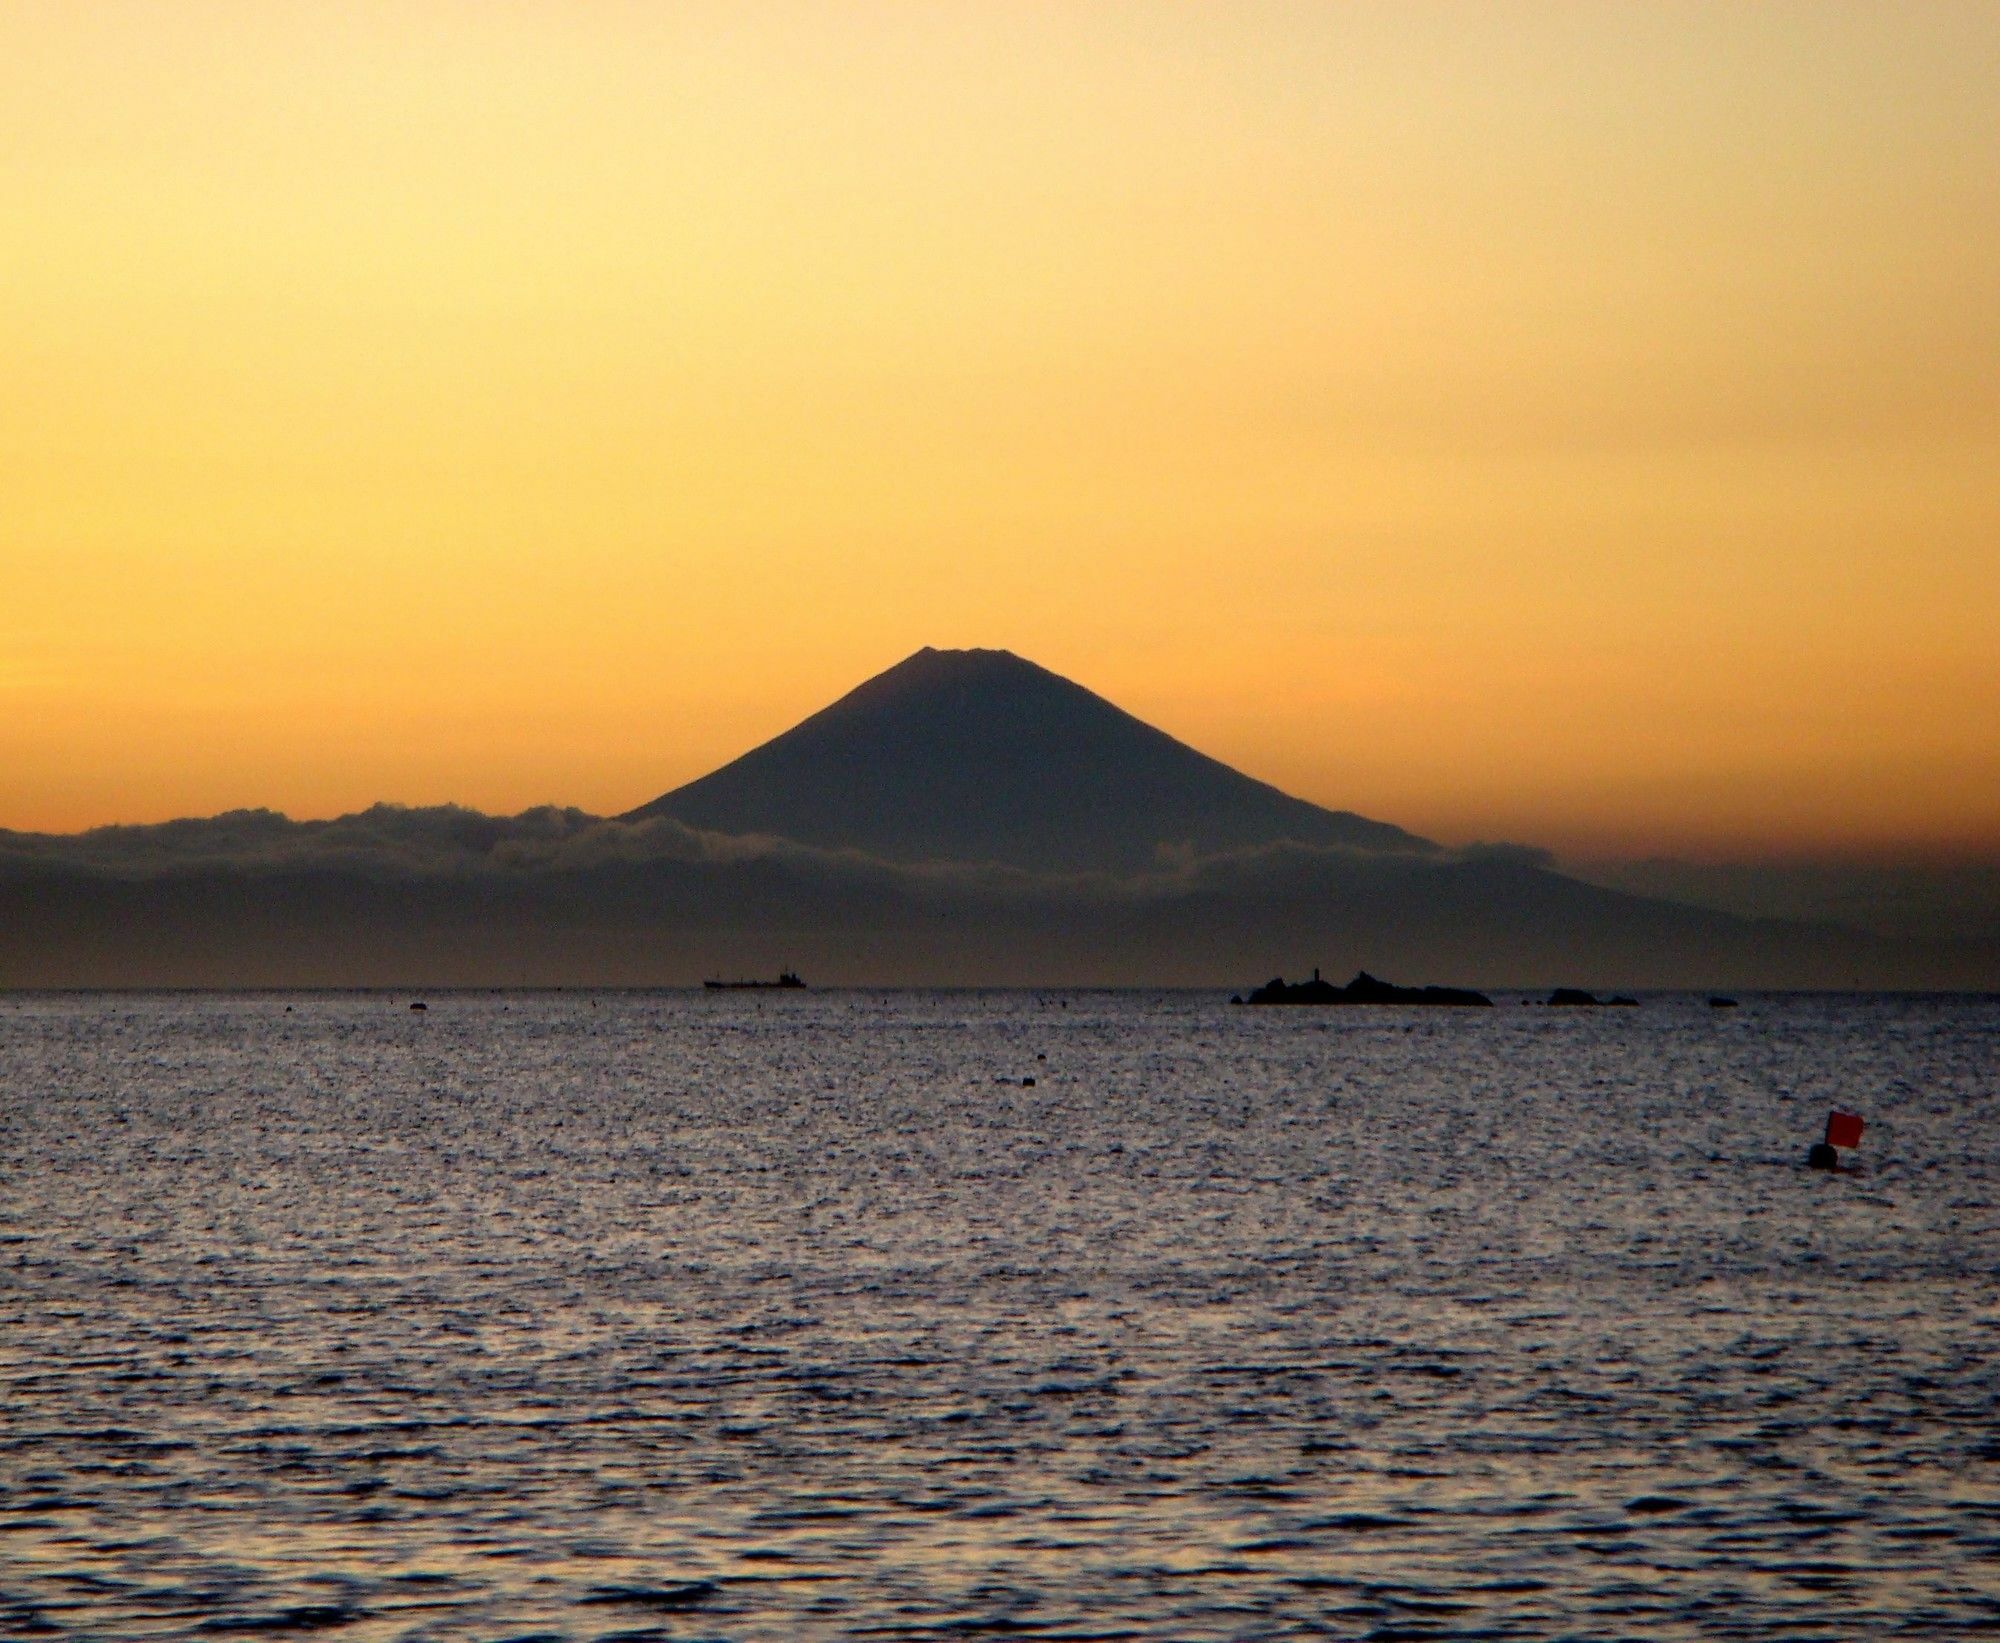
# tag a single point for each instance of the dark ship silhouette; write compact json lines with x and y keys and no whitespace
{"x":786,"y":982}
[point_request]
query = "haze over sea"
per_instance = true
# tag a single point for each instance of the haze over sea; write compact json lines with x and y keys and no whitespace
{"x":670,"y":1315}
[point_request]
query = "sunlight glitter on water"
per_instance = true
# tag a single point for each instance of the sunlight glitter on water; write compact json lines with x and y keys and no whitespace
{"x":662,"y":1315}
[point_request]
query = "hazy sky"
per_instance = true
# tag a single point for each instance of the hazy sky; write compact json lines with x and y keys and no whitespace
{"x":1568,"y":423}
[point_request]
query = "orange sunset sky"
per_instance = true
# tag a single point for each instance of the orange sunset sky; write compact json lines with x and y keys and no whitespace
{"x":1568,"y":423}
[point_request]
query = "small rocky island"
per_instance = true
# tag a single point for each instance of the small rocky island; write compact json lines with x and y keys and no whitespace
{"x":1363,"y":989}
{"x":1577,"y":998}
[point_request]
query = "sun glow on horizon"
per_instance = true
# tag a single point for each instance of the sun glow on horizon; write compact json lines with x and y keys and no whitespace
{"x":1570,"y":424}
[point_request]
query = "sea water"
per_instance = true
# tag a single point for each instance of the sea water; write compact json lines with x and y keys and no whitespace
{"x":1051,"y":1315}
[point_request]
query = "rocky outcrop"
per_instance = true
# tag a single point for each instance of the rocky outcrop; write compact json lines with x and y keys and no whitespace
{"x":1363,"y":989}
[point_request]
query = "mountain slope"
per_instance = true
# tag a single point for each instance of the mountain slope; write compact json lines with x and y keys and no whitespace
{"x":978,"y":755}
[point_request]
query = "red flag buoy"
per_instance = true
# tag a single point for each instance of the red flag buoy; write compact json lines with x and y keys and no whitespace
{"x":1843,"y":1129}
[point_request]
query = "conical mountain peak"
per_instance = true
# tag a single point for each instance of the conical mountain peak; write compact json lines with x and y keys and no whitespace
{"x":981,"y":755}
{"x":935,"y":670}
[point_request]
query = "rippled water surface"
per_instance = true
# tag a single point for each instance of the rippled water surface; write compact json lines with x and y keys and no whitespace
{"x":678,"y":1316}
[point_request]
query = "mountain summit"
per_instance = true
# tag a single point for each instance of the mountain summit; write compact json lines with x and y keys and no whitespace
{"x":978,"y":755}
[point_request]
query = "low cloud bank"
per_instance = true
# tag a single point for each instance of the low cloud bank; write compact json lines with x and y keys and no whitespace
{"x":1951,"y":902}
{"x":445,"y":895}
{"x":448,"y":842}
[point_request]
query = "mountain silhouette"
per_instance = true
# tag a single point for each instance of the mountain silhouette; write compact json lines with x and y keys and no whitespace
{"x":929,"y":829}
{"x":981,"y":756}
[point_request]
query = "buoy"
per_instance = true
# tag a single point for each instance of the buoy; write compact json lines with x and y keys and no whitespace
{"x":420,"y":1005}
{"x":1843,"y":1129}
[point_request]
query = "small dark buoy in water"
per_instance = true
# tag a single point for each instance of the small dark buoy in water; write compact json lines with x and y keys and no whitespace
{"x":1027,"y":1083}
{"x":1720,"y":1003}
{"x":1822,"y":1157}
{"x":420,"y":1005}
